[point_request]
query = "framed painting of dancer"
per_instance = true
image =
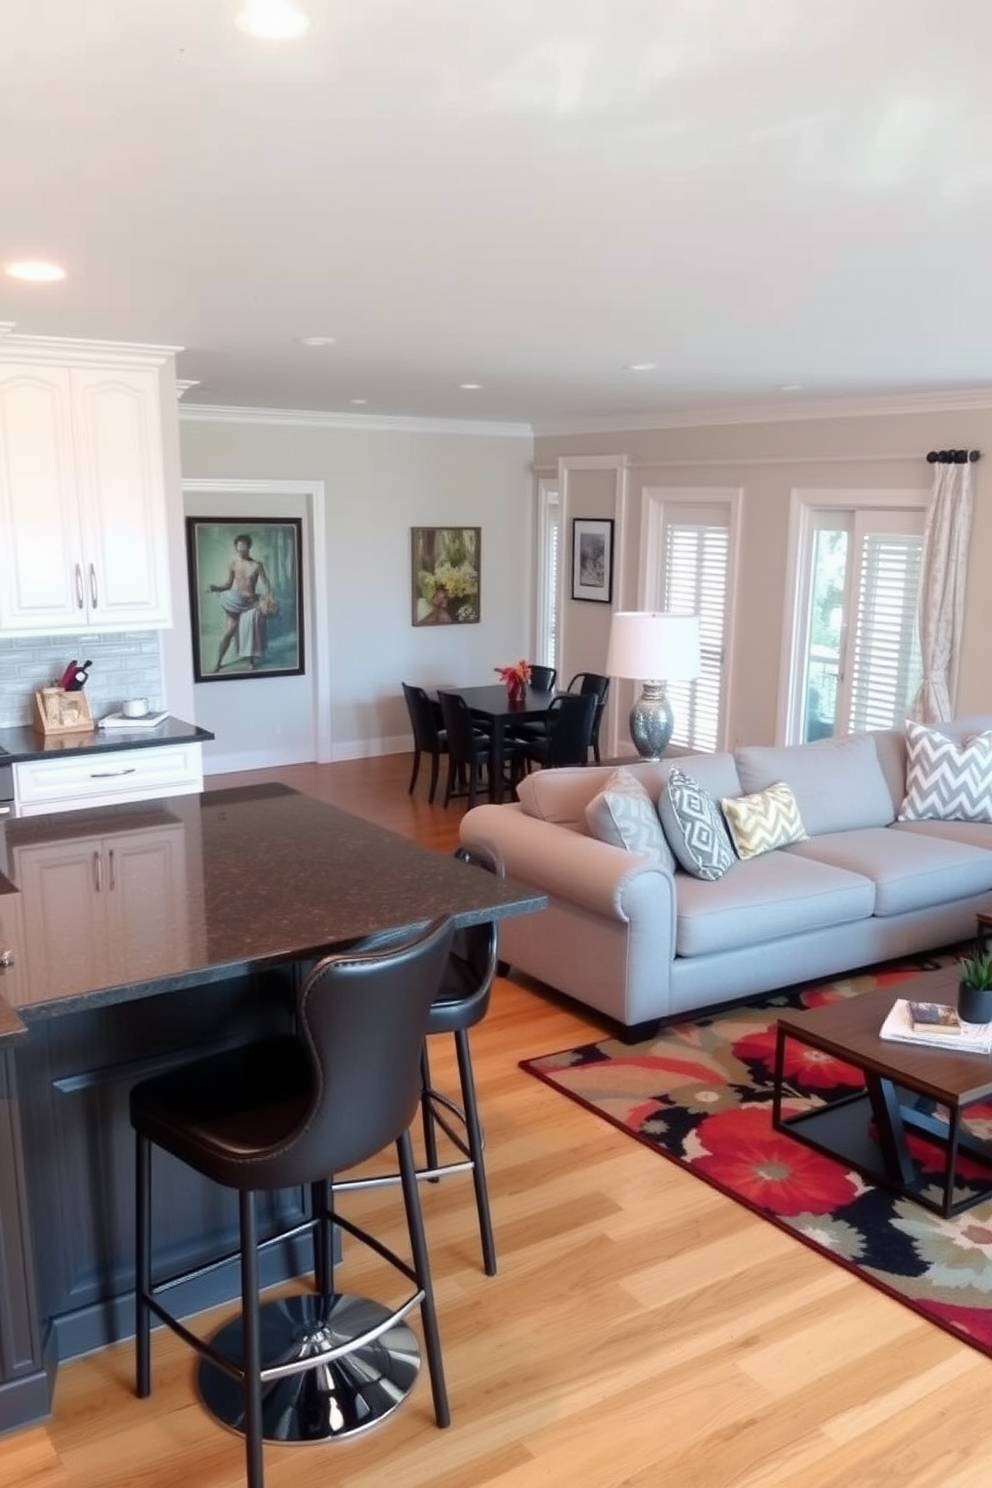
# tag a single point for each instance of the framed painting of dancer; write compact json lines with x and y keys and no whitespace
{"x":246,"y":597}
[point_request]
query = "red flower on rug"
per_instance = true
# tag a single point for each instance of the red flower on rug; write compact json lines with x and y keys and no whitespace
{"x":767,"y":1168}
{"x":804,"y":1068}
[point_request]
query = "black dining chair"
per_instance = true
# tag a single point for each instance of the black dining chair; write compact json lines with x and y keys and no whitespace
{"x":569,"y":734}
{"x":543,"y":678}
{"x":595,"y":683}
{"x":468,"y":750}
{"x":293,"y":1111}
{"x":461,"y":1002}
{"x":429,"y":736}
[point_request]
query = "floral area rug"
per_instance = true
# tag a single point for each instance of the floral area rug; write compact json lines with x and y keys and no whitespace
{"x":701,"y":1095}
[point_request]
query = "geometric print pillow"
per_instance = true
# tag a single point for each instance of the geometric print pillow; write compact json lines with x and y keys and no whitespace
{"x":766,"y":819}
{"x":947,"y":781}
{"x":694,"y":827}
{"x":624,"y":815}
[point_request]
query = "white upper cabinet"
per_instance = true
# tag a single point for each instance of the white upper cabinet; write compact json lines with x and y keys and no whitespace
{"x":83,"y":515}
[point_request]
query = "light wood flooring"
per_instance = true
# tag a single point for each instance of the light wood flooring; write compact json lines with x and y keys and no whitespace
{"x":643,"y":1331}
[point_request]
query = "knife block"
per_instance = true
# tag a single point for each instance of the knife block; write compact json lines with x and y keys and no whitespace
{"x":60,"y":712}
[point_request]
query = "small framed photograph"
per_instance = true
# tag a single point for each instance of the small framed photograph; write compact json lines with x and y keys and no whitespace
{"x":446,"y":563}
{"x":592,"y":559}
{"x":246,"y":597}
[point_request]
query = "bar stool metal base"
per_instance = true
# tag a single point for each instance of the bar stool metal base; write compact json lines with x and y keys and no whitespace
{"x":333,"y":1400}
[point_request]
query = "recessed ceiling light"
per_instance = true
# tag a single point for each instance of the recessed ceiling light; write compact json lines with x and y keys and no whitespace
{"x":35,"y":272}
{"x":315,"y":340}
{"x":359,"y":402}
{"x":790,"y":387}
{"x":470,"y":387}
{"x":273,"y":20}
{"x":640,"y":366}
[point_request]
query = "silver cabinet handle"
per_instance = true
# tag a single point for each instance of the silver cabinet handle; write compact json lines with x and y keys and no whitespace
{"x":94,"y":597}
{"x":111,"y":774}
{"x":80,"y":597}
{"x":112,"y":855}
{"x":97,"y":872}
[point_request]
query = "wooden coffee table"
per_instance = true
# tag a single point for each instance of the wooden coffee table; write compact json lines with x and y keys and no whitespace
{"x":868,"y":1129}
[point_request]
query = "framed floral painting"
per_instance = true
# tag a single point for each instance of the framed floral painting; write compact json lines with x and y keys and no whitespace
{"x":246,"y":597}
{"x":446,"y":563}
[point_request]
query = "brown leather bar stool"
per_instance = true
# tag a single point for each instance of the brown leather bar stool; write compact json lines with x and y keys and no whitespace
{"x":293,"y":1111}
{"x":461,"y":1002}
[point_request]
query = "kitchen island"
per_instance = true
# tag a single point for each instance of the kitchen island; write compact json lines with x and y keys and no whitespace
{"x":140,"y":935}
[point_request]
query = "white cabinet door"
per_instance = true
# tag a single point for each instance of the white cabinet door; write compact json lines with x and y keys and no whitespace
{"x":65,"y":924}
{"x":101,"y":909}
{"x":121,"y":481}
{"x":146,"y":897}
{"x":41,"y":574}
{"x":83,"y":521}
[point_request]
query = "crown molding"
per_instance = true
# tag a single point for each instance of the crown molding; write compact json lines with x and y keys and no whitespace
{"x":792,"y":410}
{"x":69,"y":349}
{"x":183,"y":385}
{"x":215,"y":413}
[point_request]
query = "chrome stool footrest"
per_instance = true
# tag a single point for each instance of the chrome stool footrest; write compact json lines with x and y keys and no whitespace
{"x":340,"y":1398}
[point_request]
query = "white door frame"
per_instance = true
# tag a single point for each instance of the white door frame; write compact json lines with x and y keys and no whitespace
{"x":312,"y":493}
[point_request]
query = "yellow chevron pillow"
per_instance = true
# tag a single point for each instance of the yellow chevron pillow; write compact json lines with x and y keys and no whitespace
{"x":770,"y":818}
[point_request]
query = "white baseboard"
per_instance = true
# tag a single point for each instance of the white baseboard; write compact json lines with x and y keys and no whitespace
{"x":270,"y":759}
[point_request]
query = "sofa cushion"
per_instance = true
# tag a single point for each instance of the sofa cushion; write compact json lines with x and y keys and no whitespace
{"x":838,"y":783}
{"x":766,"y":899}
{"x":694,"y":827}
{"x":946,"y":780}
{"x":763,"y":821}
{"x":624,"y":815}
{"x":910,"y":871}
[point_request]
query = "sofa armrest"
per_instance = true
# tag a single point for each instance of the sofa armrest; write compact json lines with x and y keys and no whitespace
{"x":567,"y":865}
{"x":607,"y":936}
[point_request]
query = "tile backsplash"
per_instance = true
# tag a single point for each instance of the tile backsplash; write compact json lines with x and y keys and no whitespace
{"x":127,"y":664}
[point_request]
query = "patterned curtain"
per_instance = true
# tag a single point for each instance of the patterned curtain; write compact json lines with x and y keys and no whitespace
{"x":942,"y":581}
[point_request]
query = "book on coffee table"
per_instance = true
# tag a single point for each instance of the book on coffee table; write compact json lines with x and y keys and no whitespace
{"x":935,"y":1031}
{"x":935,"y":1017}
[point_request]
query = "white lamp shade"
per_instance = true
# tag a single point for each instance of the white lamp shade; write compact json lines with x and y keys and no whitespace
{"x":662,"y":646}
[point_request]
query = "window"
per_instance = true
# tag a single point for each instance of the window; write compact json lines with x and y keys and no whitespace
{"x":856,"y":661}
{"x":689,"y":541}
{"x":548,"y":548}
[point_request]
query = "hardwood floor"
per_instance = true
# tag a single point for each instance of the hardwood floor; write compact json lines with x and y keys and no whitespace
{"x":643,"y":1331}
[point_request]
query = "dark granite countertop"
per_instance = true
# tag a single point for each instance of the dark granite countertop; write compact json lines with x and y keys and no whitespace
{"x":18,"y":745}
{"x":251,"y":876}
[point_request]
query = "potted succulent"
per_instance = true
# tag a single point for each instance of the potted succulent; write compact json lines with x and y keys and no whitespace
{"x":975,"y":987}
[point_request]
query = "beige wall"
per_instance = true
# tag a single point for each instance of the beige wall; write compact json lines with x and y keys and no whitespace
{"x":377,"y":485}
{"x":767,"y":461}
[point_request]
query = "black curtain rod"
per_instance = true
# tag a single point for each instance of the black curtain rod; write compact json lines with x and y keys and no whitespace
{"x":953,"y":457}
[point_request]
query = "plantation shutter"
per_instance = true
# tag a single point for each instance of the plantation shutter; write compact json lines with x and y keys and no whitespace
{"x":551,"y":559}
{"x":697,"y":546}
{"x":885,"y":656}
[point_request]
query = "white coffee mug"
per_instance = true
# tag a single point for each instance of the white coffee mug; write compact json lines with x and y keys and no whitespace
{"x":135,"y":708}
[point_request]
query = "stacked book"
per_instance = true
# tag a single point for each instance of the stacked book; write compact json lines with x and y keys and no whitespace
{"x":119,"y":721}
{"x":936,"y":1025}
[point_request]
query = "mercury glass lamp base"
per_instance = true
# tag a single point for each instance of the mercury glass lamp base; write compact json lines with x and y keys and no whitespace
{"x":651,"y":721}
{"x":331,"y":1400}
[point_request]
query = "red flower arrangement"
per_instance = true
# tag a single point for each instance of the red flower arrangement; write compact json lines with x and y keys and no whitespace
{"x":516,"y":678}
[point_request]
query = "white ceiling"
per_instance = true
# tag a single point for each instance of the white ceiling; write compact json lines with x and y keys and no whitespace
{"x":527,"y":194}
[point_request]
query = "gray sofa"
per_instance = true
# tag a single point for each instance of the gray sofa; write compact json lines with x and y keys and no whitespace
{"x":643,"y":944}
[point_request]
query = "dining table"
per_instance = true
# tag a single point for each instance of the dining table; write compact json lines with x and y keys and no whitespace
{"x":492,"y":707}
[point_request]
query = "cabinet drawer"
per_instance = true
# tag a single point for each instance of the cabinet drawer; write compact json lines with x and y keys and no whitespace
{"x":77,"y":781}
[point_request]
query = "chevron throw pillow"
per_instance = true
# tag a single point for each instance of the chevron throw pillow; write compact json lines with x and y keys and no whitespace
{"x":694,"y":827}
{"x":766,"y":819}
{"x":624,"y":815}
{"x":947,"y":780}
